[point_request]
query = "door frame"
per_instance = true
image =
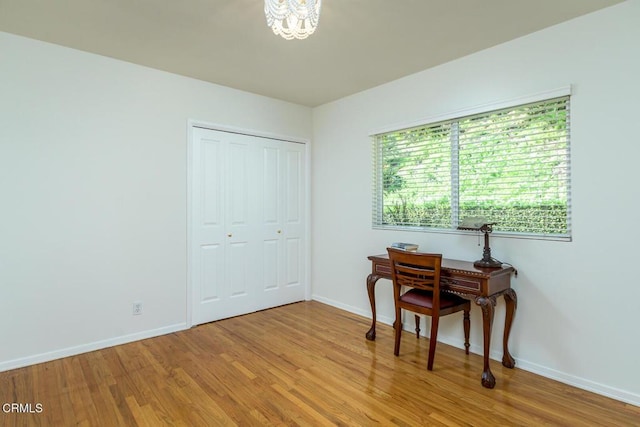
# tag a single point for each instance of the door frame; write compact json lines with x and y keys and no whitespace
{"x":191,"y":124}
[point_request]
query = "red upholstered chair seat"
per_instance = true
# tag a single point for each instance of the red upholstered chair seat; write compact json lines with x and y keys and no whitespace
{"x":425,"y":299}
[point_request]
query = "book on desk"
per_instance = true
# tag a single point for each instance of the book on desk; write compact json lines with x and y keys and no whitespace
{"x":409,"y":247}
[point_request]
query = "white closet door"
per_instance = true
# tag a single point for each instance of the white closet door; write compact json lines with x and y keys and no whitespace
{"x":247,"y":221}
{"x":294,"y":223}
{"x":270,"y":209}
{"x":281,"y":222}
{"x":222,"y":224}
{"x":208,"y":231}
{"x":240,"y":229}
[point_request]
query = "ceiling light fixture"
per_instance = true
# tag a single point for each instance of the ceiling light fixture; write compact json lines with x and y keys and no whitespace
{"x":292,"y":19}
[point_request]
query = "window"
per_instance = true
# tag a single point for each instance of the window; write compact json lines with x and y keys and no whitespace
{"x":510,"y":166}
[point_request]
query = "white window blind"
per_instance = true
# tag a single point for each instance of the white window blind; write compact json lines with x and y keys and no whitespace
{"x":511,"y":166}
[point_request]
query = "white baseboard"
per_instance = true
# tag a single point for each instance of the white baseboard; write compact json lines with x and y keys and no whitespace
{"x":85,"y":348}
{"x":351,"y":309}
{"x":572,"y":380}
{"x":578,"y":382}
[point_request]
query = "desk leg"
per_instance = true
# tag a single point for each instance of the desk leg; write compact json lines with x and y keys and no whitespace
{"x":488,"y":305}
{"x":511,"y":300}
{"x":371,"y":290}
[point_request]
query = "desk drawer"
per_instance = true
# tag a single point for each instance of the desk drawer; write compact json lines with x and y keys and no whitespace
{"x":461,"y":285}
{"x":383,"y":270}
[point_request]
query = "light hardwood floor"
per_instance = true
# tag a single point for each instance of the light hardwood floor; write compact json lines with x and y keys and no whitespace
{"x":301,"y":364}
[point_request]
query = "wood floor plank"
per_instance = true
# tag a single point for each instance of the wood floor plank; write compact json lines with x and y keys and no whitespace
{"x":305,"y":364}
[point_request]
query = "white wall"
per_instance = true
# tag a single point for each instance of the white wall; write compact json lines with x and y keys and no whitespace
{"x":93,"y":194}
{"x":577,"y":301}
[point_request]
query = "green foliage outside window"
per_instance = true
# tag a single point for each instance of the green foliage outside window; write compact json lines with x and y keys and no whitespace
{"x":509,"y":166}
{"x":544,"y":219}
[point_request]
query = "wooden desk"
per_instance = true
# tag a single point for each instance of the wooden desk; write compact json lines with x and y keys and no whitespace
{"x":482,"y":285}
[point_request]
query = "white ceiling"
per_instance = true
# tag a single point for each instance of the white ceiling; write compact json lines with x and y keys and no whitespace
{"x":359,"y":44}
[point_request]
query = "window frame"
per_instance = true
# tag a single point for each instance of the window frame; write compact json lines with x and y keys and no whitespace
{"x":377,"y":200}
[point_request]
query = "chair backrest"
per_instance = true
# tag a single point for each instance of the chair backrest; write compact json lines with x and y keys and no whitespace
{"x":415,"y":270}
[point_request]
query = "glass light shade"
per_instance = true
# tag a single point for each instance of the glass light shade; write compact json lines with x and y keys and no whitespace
{"x":482,"y":225}
{"x":292,"y":19}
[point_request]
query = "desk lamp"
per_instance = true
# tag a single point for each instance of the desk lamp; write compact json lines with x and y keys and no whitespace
{"x":481,"y":224}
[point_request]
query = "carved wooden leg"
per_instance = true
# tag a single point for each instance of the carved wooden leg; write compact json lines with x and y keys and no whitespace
{"x":371,"y":288}
{"x":433,"y":341}
{"x":511,"y":300}
{"x":466,"y":322}
{"x":417,"y":318}
{"x":488,"y":305}
{"x":397,"y":326}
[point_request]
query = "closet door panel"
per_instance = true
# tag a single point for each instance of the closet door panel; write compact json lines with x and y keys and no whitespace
{"x":270,"y":274}
{"x":286,"y":261}
{"x":240,"y":248}
{"x":270,"y":223}
{"x":294,"y":178}
{"x":212,"y":277}
{"x":207,"y":255}
{"x":294,"y":262}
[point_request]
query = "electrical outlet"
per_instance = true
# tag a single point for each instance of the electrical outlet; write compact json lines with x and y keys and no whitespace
{"x":137,"y":308}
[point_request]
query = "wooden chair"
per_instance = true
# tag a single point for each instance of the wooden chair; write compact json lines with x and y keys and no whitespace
{"x":416,"y":287}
